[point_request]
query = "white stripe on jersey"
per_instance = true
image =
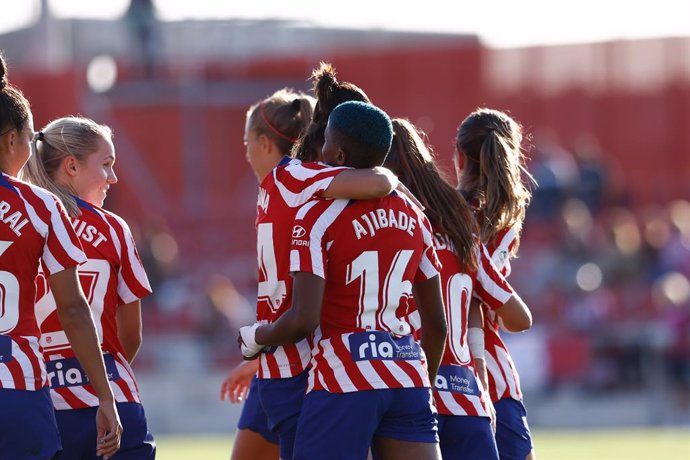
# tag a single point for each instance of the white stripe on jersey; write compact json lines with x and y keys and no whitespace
{"x":507,"y":364}
{"x":301,"y":212}
{"x":127,"y":376}
{"x":501,"y":255}
{"x":58,"y":401}
{"x":301,"y":174}
{"x":58,"y":225}
{"x":135,"y":264}
{"x":494,"y":290}
{"x":492,"y":367}
{"x":285,"y":366}
{"x":425,"y":264}
{"x":117,"y":392}
{"x":6,"y":377}
{"x":25,"y":362}
{"x":368,"y":371}
{"x":336,"y":365}
{"x":324,"y":221}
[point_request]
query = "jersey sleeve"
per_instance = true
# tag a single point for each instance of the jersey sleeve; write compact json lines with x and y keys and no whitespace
{"x":501,"y":251}
{"x":300,"y":182}
{"x":491,"y":287}
{"x":430,"y":265}
{"x":132,"y":282}
{"x":310,"y":239}
{"x":61,"y":249}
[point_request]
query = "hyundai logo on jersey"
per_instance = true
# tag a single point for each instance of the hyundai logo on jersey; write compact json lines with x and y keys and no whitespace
{"x":67,"y":372}
{"x":456,"y":379}
{"x":298,"y":231}
{"x":379,"y":345}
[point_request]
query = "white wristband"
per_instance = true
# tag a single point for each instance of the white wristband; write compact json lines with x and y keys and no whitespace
{"x":249,"y":347}
{"x":475,"y":340}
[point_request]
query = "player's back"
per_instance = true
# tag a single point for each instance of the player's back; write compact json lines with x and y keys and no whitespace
{"x":33,"y":230}
{"x":113,"y":275}
{"x":370,"y":253}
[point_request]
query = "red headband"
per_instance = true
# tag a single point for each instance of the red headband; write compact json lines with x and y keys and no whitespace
{"x":275,"y":131}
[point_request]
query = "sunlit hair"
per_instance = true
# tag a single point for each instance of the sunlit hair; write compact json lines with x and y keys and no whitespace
{"x":69,"y":136}
{"x":412,"y":160}
{"x":494,"y":178}
{"x":329,"y":94}
{"x":14,"y":108}
{"x":281,"y":117}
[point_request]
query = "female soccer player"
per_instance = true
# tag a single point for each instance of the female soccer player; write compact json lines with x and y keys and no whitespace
{"x":74,"y":158}
{"x":356,"y":266}
{"x":490,"y":167}
{"x":35,"y":230}
{"x":463,"y":405}
{"x":286,"y":184}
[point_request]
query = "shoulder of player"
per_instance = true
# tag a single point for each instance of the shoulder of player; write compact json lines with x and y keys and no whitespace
{"x":34,"y":195}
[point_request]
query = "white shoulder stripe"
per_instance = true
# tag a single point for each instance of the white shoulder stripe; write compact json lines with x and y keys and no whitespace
{"x":318,"y":230}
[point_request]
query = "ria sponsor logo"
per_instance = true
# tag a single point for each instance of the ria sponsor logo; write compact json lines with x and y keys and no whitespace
{"x":380,"y":345}
{"x":67,"y":372}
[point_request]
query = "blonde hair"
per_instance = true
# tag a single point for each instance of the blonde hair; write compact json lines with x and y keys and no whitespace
{"x":68,"y":136}
{"x":281,"y":117}
{"x":494,"y":178}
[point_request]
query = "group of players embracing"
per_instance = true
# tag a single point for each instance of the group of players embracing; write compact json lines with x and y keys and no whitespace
{"x":382,"y":288}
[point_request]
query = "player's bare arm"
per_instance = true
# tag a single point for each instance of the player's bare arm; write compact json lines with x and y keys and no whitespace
{"x":302,"y":318}
{"x":515,"y":314}
{"x":75,"y":317}
{"x":129,"y":328}
{"x":429,"y":301}
{"x":361,"y":184}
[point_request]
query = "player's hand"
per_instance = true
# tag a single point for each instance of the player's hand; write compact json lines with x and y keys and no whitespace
{"x":235,"y":387}
{"x":109,"y":429}
{"x":247,"y":342}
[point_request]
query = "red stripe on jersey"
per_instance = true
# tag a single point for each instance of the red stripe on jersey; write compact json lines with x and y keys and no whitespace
{"x":385,"y":375}
{"x":54,"y":244}
{"x":353,"y":372}
{"x":441,"y":406}
{"x":410,"y":370}
{"x":17,"y":375}
{"x":125,"y":389}
{"x":70,"y":398}
{"x":25,"y":347}
{"x":293,"y":356}
{"x":129,"y":258}
{"x":466,"y":405}
{"x":323,"y":369}
{"x":272,"y":364}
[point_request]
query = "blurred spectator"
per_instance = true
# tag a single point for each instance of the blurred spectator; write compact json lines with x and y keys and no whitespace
{"x":141,"y":20}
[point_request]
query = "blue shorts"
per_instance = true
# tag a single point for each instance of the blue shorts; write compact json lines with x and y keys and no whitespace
{"x":467,"y":437}
{"x":282,"y":401}
{"x":342,"y":426}
{"x":253,"y":416}
{"x":78,"y":431}
{"x":513,"y":438}
{"x":27,"y":425}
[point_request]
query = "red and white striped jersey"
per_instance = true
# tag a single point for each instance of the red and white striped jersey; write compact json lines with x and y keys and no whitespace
{"x":34,"y":231}
{"x":504,"y":381}
{"x":457,"y":390}
{"x":369,"y":252}
{"x":290,"y":185}
{"x":111,"y":277}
